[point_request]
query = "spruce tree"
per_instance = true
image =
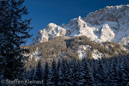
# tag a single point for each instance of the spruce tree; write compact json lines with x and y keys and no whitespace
{"x":52,"y":76}
{"x":57,"y":70}
{"x":86,"y":75}
{"x":45,"y":73}
{"x":38,"y":72}
{"x":31,"y":74}
{"x":113,"y":74}
{"x":13,"y":33}
{"x":64,"y":74}
{"x":74,"y":73}
{"x":124,"y":74}
{"x":100,"y":74}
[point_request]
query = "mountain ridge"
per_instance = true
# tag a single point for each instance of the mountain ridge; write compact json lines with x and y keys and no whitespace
{"x":108,"y":24}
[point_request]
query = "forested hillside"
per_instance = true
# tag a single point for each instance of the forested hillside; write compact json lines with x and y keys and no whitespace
{"x":71,"y":48}
{"x":103,"y":72}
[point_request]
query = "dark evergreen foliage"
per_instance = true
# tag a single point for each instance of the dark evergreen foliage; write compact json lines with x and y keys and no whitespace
{"x":38,"y":72}
{"x":45,"y":74}
{"x":64,"y":74}
{"x":86,"y":75}
{"x":102,"y":72}
{"x":13,"y":33}
{"x":74,"y":73}
{"x":52,"y":77}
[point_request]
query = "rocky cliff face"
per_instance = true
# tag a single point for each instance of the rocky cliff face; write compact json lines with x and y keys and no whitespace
{"x":108,"y":24}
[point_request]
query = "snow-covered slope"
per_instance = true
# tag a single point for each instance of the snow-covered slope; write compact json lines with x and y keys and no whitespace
{"x":108,"y":24}
{"x":52,"y":30}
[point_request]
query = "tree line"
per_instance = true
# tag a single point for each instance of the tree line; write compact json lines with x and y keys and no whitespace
{"x":102,"y":72}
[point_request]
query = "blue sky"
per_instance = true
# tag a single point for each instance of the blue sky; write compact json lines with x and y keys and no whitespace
{"x":43,"y":12}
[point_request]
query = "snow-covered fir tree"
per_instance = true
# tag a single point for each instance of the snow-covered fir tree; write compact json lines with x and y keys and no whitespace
{"x":124,"y":74}
{"x":64,"y":78}
{"x":38,"y":72}
{"x":45,"y":73}
{"x":86,"y":75}
{"x":100,"y":75}
{"x":113,"y":74}
{"x":52,"y":76}
{"x":74,"y":73}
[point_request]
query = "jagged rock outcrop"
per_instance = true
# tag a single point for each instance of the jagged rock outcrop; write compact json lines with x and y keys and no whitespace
{"x":108,"y":24}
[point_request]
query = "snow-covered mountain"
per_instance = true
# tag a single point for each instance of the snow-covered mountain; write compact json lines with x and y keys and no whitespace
{"x":108,"y":24}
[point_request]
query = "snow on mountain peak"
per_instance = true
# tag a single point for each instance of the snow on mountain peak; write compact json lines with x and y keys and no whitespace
{"x":79,"y":17}
{"x":117,"y":6}
{"x":108,"y":24}
{"x":52,"y":25}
